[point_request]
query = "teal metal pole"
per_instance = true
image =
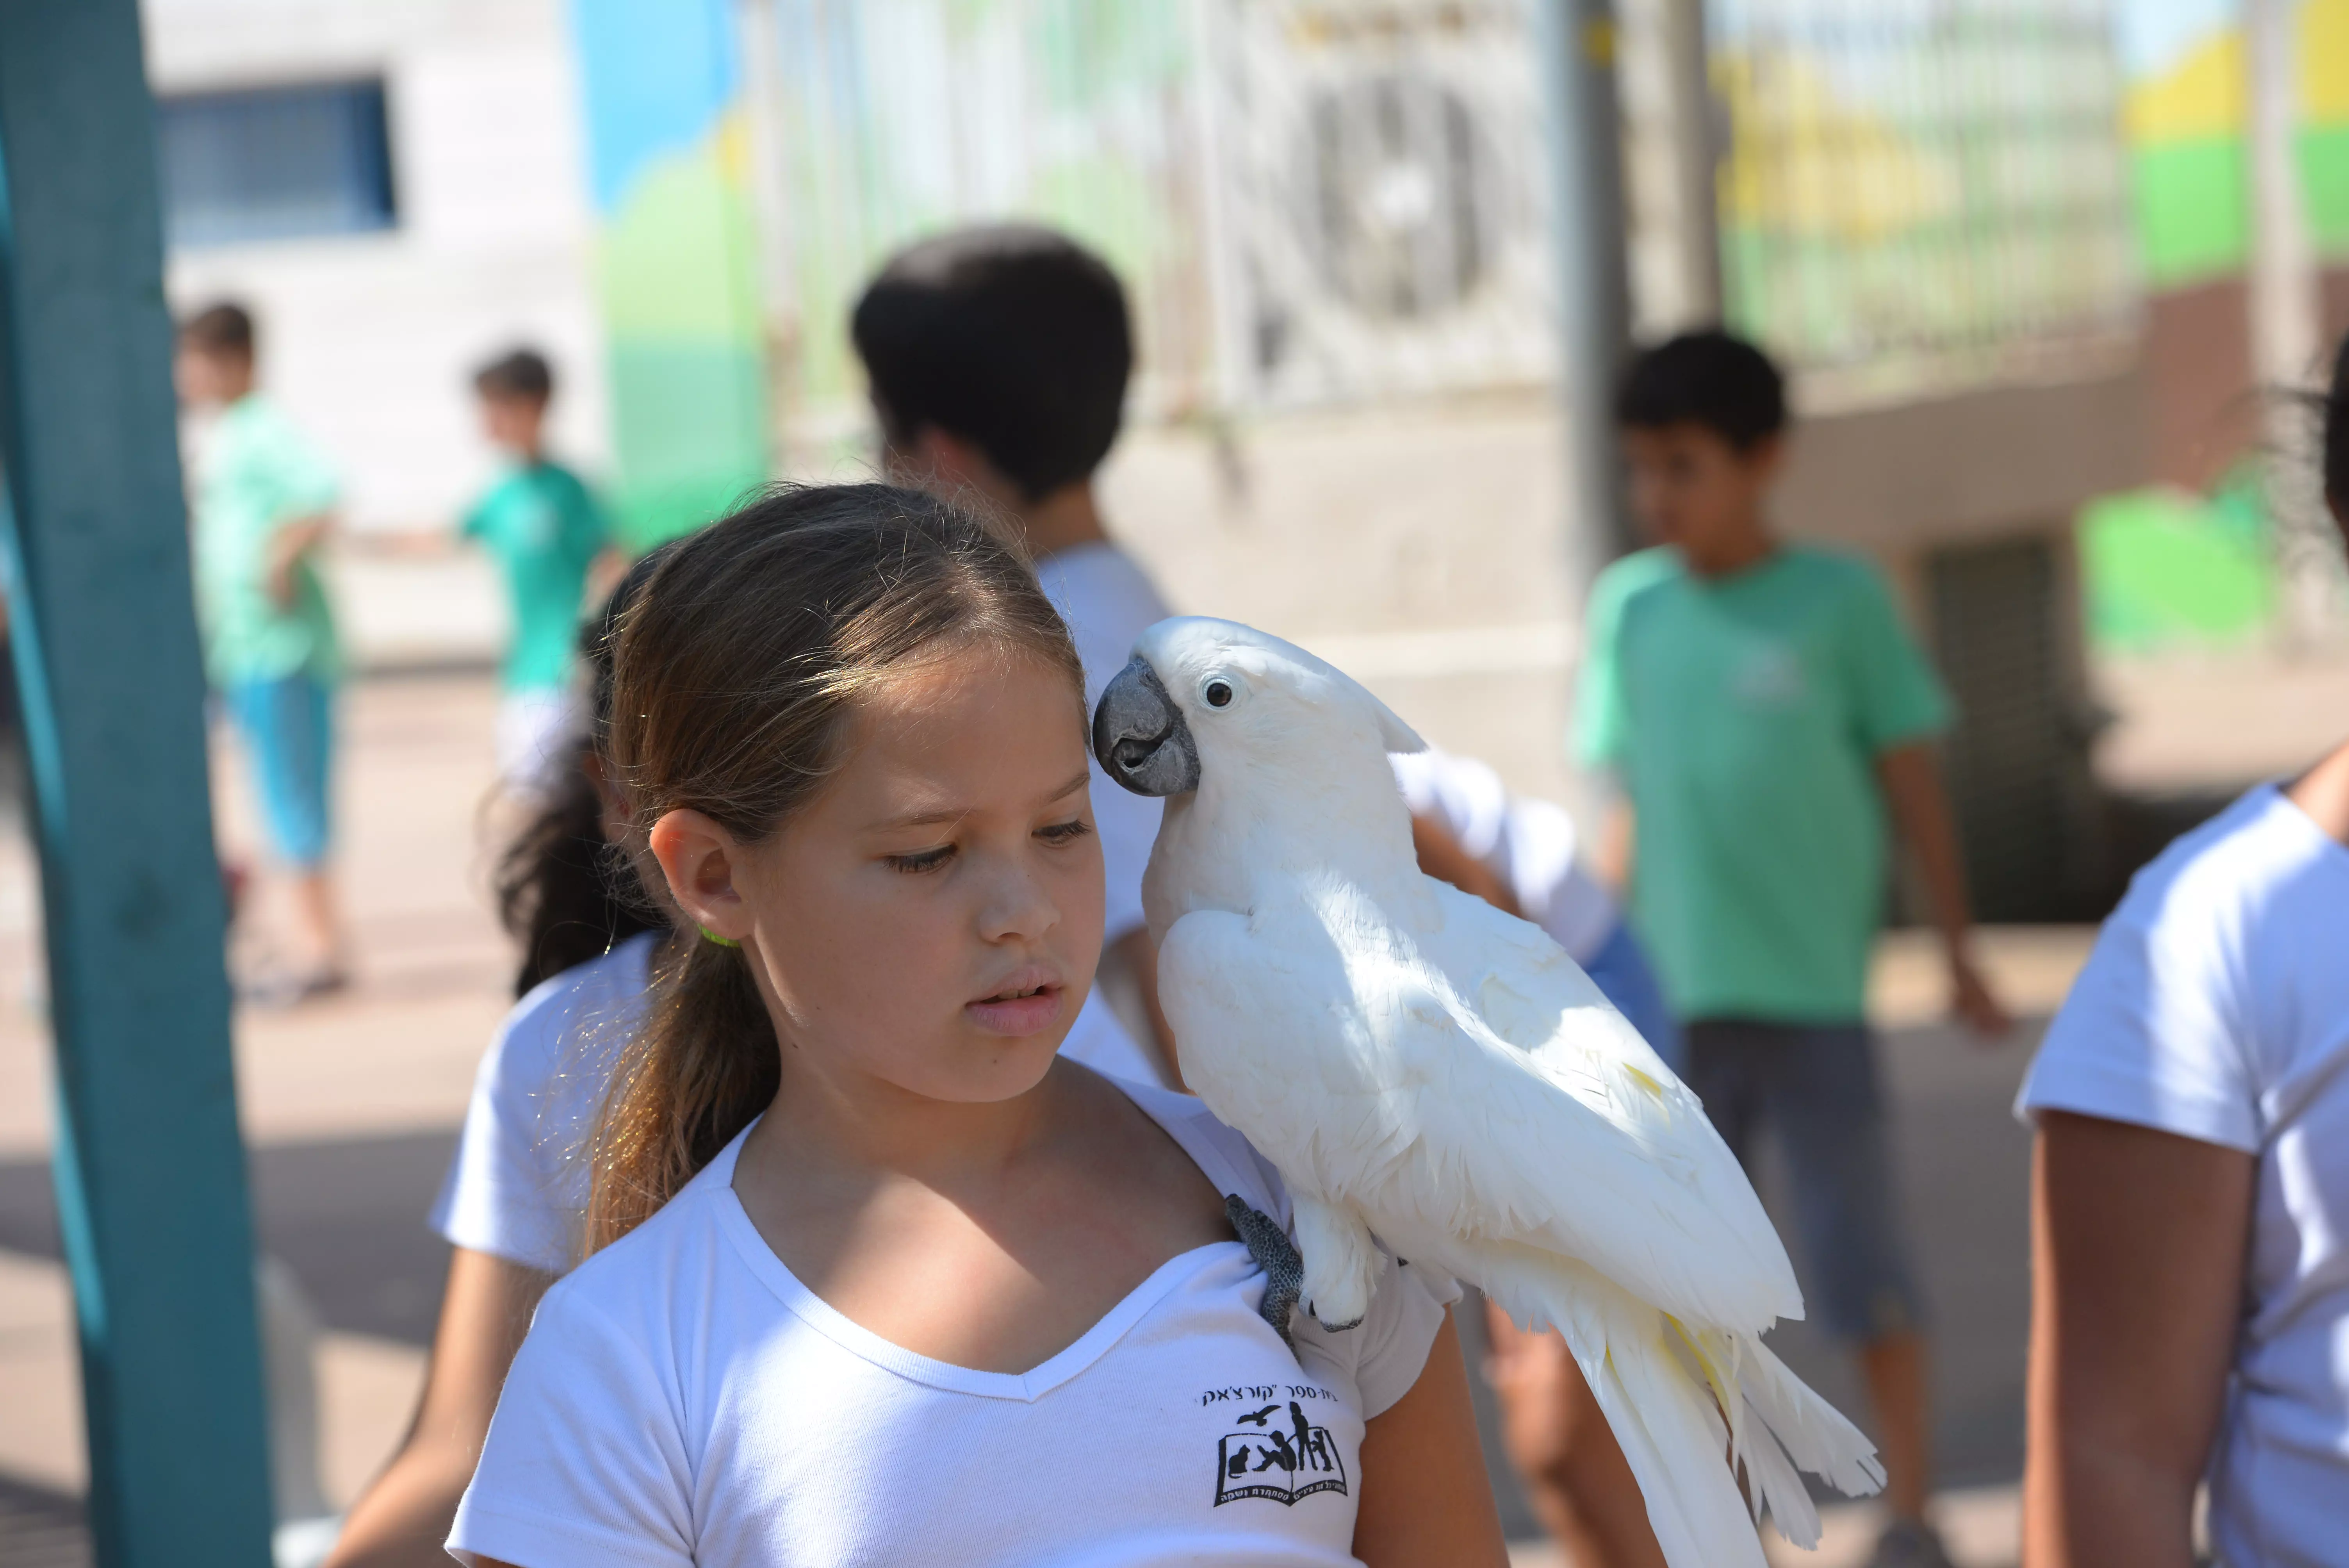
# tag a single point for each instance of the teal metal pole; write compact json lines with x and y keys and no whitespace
{"x":150,"y":1174}
{"x":1592,"y":231}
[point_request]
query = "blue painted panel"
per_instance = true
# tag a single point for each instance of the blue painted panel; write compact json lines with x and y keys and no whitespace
{"x":657,"y":73}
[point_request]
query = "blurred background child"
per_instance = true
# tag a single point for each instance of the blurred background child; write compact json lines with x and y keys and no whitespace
{"x":548,"y":534}
{"x":998,"y":359}
{"x":1766,"y":713}
{"x":263,"y":501}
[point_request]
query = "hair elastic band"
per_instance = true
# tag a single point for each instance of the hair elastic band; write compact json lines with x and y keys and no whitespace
{"x":709,"y":935}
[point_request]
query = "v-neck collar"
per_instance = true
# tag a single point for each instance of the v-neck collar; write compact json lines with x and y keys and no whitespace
{"x":1038,"y":1381}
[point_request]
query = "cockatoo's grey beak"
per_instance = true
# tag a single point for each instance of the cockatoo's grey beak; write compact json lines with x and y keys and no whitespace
{"x":1140,"y":737}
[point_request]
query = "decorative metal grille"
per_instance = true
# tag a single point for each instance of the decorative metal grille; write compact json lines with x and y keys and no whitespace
{"x":1378,"y":197}
{"x":1309,"y":200}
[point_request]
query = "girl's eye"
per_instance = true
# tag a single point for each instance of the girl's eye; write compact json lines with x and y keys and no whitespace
{"x":923,"y":860}
{"x":1064,"y":832}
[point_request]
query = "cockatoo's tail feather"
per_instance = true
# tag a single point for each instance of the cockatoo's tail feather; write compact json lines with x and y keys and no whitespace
{"x":1430,"y":1071}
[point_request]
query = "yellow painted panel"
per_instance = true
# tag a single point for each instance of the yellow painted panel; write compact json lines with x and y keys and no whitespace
{"x":2200,"y":95}
{"x":2324,"y":62}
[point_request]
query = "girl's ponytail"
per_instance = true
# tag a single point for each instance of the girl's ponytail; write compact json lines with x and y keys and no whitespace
{"x":704,"y":1065}
{"x":737,"y":668}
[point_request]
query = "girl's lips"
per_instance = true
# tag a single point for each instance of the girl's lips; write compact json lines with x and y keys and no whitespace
{"x":1016,"y":1016}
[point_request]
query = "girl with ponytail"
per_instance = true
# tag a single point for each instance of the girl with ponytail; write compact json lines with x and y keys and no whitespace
{"x":876,"y":1277}
{"x":513,"y":1203}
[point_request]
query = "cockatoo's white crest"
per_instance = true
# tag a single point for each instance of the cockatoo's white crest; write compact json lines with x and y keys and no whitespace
{"x":1438,"y":1079}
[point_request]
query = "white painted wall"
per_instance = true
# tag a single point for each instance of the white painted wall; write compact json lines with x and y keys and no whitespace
{"x":370,"y":340}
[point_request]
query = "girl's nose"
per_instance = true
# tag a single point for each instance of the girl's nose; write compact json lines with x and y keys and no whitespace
{"x":1016,"y":906}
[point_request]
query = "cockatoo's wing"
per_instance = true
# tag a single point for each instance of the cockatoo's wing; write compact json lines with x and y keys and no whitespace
{"x":1321,"y":1031}
{"x":1525,"y":988}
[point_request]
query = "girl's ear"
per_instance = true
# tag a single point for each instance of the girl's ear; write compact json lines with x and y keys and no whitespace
{"x":697,"y":857}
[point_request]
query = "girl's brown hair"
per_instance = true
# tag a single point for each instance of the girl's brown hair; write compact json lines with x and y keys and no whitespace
{"x":738,"y":668}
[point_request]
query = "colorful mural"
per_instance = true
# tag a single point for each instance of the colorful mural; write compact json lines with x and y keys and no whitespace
{"x":1915,"y":194}
{"x":894,"y":119}
{"x":2186,"y":107}
{"x":2171,"y":565}
{"x":676,"y":258}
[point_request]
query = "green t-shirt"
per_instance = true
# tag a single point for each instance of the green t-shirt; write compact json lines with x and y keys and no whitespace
{"x":545,"y":528}
{"x":257,"y":474}
{"x":1744,"y":717}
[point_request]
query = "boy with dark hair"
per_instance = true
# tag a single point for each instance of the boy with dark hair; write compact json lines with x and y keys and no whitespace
{"x":547,"y":532}
{"x":263,"y":502}
{"x":998,"y":358}
{"x":1765,"y":711}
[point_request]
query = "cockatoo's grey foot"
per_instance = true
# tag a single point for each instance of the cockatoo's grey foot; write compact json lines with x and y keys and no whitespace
{"x":1284,"y":1270}
{"x":1341,"y":1263}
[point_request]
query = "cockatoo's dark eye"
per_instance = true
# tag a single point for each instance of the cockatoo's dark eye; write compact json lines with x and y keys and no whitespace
{"x":1218,"y":694}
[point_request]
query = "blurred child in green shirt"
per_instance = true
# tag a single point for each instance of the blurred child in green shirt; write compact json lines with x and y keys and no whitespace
{"x":1766,"y":712}
{"x":546,"y":531}
{"x":264,"y":498}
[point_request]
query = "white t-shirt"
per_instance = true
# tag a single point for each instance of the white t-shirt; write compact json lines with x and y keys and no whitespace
{"x":1108,"y":603}
{"x":517,"y":1187}
{"x":2216,"y":1006}
{"x":1528,"y":845}
{"x":682,"y":1398}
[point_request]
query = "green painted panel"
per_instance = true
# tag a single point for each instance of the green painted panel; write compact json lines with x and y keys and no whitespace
{"x":2162,"y":568}
{"x":2324,"y":177}
{"x":2193,"y":209}
{"x":676,"y":260}
{"x":689,"y":421}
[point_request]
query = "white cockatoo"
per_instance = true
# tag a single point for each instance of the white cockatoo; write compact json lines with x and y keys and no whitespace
{"x":1436,"y":1077}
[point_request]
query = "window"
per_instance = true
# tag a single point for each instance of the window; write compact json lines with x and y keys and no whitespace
{"x":276,"y":163}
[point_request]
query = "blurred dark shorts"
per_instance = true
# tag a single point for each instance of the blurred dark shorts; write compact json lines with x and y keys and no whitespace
{"x":1813,"y":1087}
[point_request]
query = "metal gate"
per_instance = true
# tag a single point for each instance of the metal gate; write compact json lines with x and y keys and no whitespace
{"x":2017,"y":760}
{"x":1924,"y":195}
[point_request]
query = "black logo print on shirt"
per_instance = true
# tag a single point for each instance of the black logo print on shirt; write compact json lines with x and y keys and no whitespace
{"x":1277,"y":1458}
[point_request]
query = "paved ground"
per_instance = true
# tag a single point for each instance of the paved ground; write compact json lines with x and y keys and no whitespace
{"x":350,"y":1106}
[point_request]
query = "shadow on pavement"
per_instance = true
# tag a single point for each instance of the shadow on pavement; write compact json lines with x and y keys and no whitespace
{"x":347,"y":1217}
{"x":41,"y":1529}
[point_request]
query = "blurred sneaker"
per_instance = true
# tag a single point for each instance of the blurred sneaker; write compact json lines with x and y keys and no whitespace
{"x":291,"y":988}
{"x":1909,"y":1543}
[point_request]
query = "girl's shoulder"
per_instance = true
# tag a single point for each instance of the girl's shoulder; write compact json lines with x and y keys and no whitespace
{"x":675,"y":1258}
{"x":1227,"y":1159}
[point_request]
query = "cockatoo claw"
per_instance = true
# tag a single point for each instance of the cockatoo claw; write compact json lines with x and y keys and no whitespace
{"x":1335,"y":1327}
{"x":1284,"y":1270}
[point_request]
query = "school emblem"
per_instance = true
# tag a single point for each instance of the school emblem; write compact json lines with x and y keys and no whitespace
{"x":1280,"y":1460}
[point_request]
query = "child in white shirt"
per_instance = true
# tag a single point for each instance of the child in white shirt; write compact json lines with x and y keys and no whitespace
{"x":876,"y":1280}
{"x":2191,"y":1209}
{"x":999,"y":359}
{"x":513,"y":1204}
